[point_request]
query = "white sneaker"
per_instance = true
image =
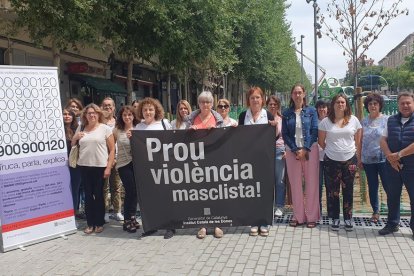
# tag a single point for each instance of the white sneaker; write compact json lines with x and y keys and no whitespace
{"x":106,"y":218}
{"x":278,"y":212}
{"x":119,"y":216}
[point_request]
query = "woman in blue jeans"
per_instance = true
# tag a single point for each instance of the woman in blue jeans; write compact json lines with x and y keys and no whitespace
{"x":274,"y":107}
{"x":372,"y":157}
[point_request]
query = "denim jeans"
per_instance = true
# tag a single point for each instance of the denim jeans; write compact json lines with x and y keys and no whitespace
{"x":280,"y":186}
{"x":394,"y":181}
{"x":321,"y":182}
{"x":372,"y":172}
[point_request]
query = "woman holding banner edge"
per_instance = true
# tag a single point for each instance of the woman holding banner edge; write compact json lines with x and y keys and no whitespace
{"x":150,"y":114}
{"x":256,"y":114}
{"x":205,"y":118}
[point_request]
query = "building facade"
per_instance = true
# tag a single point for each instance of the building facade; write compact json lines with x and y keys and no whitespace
{"x":396,"y":57}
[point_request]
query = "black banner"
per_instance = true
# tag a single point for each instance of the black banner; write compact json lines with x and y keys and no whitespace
{"x":217,"y":177}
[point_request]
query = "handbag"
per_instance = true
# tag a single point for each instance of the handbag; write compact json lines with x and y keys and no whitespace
{"x":74,"y":156}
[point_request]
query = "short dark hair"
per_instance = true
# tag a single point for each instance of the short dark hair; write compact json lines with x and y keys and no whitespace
{"x":373,"y":97}
{"x":322,"y":103}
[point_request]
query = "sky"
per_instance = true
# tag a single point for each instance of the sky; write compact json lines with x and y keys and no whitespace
{"x":330,"y":55}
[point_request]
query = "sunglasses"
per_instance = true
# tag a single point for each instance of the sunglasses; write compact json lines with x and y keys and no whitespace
{"x":220,"y":106}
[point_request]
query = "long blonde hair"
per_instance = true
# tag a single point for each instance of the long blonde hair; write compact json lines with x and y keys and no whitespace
{"x":179,"y":119}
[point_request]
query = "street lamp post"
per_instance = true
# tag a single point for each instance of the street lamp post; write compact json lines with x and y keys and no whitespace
{"x":301,"y":58}
{"x":316,"y":26}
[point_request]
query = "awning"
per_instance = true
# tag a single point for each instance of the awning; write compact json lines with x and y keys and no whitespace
{"x":102,"y":85}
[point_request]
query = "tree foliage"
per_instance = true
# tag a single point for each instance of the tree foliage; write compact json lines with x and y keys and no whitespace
{"x":249,"y":39}
{"x":267,"y":57}
{"x":65,"y":23}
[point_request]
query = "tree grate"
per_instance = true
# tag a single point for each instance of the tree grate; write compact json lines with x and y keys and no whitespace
{"x":358,"y":221}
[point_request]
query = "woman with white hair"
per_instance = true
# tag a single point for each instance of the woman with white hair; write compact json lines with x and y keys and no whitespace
{"x":205,"y":118}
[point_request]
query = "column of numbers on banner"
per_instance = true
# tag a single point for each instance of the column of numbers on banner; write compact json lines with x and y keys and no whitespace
{"x":30,"y":117}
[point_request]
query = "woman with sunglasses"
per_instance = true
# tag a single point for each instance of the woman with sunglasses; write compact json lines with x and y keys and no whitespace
{"x":223,"y":108}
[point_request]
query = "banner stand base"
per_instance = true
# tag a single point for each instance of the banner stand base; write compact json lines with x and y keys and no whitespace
{"x":23,"y":246}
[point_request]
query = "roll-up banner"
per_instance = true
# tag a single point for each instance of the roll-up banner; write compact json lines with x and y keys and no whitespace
{"x":35,"y":197}
{"x":205,"y":178}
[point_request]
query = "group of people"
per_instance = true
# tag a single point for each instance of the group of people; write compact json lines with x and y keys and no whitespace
{"x":321,"y":145}
{"x":326,"y":145}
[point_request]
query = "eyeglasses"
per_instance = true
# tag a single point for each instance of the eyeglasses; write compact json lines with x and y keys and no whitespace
{"x":91,"y":113}
{"x":205,"y":102}
{"x":221,"y":106}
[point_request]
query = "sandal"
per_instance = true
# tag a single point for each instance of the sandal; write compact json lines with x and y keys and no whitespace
{"x":135,"y":223}
{"x":201,"y":234}
{"x":375,"y":218}
{"x":294,"y":223}
{"x":126,"y":225}
{"x":99,"y":229}
{"x":311,"y":224}
{"x":218,"y":233}
{"x":88,"y":230}
{"x":129,"y":226}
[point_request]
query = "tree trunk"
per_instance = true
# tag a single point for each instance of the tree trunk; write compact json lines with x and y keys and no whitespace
{"x":185,"y":96}
{"x":129,"y":79}
{"x":56,"y":56}
{"x":169,"y":93}
{"x":10,"y":52}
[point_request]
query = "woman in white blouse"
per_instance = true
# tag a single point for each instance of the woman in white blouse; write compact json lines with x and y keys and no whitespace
{"x":96,"y":158}
{"x":150,"y":113}
{"x":256,"y":114}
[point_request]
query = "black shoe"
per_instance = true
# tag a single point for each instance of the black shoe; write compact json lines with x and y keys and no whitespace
{"x":169,"y":234}
{"x":388,"y":229}
{"x":335,"y":225}
{"x":148,"y":233}
{"x":348,"y":225}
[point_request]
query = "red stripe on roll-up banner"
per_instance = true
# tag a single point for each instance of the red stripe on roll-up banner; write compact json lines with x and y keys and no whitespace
{"x":35,"y":221}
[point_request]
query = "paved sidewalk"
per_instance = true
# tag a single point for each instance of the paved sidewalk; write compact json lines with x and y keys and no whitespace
{"x":286,"y":251}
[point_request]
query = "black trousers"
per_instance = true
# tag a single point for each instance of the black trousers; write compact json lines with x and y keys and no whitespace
{"x":127,"y":176}
{"x":340,"y":174}
{"x":93,"y":182}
